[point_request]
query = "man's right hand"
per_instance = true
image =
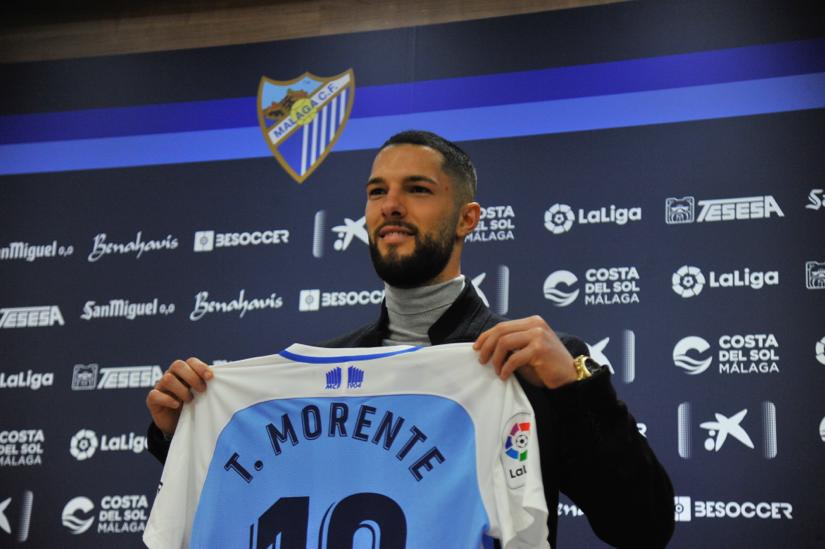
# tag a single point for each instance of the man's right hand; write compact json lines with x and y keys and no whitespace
{"x":174,"y":389}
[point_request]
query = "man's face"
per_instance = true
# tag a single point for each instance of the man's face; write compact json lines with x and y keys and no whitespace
{"x":411,"y":215}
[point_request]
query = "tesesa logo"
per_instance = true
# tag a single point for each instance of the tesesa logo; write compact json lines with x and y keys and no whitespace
{"x":738,"y":354}
{"x":724,"y":428}
{"x":559,"y":218}
{"x":31,"y":317}
{"x":682,"y":210}
{"x":815,"y":275}
{"x":85,"y":377}
{"x":689,"y":281}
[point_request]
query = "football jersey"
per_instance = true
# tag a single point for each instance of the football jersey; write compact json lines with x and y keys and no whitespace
{"x":386,"y":447}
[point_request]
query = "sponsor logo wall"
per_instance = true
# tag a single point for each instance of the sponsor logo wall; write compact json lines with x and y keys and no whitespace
{"x":709,"y":318}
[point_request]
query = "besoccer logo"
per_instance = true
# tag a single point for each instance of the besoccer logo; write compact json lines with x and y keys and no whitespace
{"x":517,"y":441}
{"x":682,"y":508}
{"x":691,"y":344}
{"x":309,"y":300}
{"x":559,"y":218}
{"x":820,"y":350}
{"x":204,"y":241}
{"x":688,"y":281}
{"x":558,"y":297}
{"x":84,"y":444}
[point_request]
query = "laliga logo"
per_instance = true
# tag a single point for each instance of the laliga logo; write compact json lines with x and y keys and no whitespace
{"x":688,"y":281}
{"x":558,"y":297}
{"x":690,"y":365}
{"x":70,"y":517}
{"x":83,"y":446}
{"x":559,"y":218}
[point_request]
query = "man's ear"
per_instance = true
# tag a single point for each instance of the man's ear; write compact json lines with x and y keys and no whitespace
{"x":468,"y":218}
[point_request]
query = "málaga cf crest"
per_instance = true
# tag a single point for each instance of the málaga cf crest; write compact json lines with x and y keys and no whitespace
{"x":303,"y":118}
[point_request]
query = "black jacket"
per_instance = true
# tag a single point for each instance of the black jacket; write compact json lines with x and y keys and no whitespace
{"x":590,"y":447}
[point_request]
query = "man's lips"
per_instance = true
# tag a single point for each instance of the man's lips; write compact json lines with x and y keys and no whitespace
{"x":394,"y":234}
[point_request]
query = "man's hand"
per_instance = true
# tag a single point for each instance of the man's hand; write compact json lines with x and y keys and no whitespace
{"x":174,"y":389}
{"x":529,"y":344}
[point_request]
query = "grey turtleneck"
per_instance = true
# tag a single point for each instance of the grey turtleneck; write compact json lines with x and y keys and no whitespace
{"x":412,"y":311}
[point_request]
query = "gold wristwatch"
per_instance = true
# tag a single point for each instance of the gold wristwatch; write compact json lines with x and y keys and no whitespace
{"x":584,"y":367}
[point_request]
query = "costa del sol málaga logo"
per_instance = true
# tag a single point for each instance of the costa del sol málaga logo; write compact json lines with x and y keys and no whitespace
{"x":301,"y":119}
{"x":517,"y":441}
{"x":688,"y":281}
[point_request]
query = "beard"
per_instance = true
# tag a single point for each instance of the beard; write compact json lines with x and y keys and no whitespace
{"x":428,"y":259}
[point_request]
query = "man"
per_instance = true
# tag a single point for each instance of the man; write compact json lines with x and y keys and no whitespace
{"x":419,"y":209}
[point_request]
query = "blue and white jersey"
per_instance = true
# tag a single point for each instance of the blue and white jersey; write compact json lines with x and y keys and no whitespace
{"x":387,"y":447}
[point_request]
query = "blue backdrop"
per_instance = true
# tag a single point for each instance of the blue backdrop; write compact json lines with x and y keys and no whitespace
{"x":652,"y":180}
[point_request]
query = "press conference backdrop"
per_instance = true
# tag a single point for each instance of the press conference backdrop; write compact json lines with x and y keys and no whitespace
{"x":651,"y":178}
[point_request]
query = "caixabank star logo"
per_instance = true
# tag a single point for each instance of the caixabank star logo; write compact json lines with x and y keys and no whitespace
{"x":302,"y":118}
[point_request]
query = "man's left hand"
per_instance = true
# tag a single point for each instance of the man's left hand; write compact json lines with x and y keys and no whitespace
{"x":531,"y":345}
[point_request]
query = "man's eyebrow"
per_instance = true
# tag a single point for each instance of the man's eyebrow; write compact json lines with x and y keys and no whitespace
{"x":408,"y":179}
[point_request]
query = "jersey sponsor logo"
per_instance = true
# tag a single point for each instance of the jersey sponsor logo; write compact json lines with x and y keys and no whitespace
{"x":737,"y":354}
{"x":498,"y":288}
{"x":207,"y":241}
{"x":26,"y":380}
{"x":689,"y":281}
{"x":19,"y":508}
{"x":496,"y":223}
{"x":118,"y":514}
{"x":559,"y":218}
{"x":816,"y":199}
{"x":726,"y":427}
{"x":85,"y":377}
{"x":240,"y":305}
{"x":603,"y":286}
{"x":346,"y":233}
{"x":315,"y":299}
{"x":815,"y":275}
{"x":31,"y":317}
{"x":85,"y":444}
{"x":515,"y":453}
{"x":138,"y":246}
{"x":688,"y":509}
{"x":123,"y":308}
{"x":32,"y":252}
{"x":301,"y":119}
{"x":21,"y":447}
{"x":680,"y":211}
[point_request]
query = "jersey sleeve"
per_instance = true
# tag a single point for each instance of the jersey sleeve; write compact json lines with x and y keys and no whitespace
{"x":176,"y":500}
{"x":521,"y":510}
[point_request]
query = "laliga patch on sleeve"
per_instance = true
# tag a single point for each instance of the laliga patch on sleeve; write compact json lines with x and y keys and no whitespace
{"x":514,"y":453}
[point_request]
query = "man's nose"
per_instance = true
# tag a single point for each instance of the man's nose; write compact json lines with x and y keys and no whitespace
{"x":393,"y":204}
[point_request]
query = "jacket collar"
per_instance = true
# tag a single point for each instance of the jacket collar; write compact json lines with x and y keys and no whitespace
{"x":461,"y":322}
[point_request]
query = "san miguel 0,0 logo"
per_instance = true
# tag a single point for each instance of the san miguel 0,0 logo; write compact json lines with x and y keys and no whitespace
{"x":302,"y":118}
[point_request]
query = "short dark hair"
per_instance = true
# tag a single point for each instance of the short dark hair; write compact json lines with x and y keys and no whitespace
{"x":457,"y":163}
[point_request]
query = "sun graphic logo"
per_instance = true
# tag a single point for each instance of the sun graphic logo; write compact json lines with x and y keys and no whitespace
{"x":84,"y":444}
{"x":688,"y":281}
{"x":517,"y":441}
{"x":559,"y":218}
